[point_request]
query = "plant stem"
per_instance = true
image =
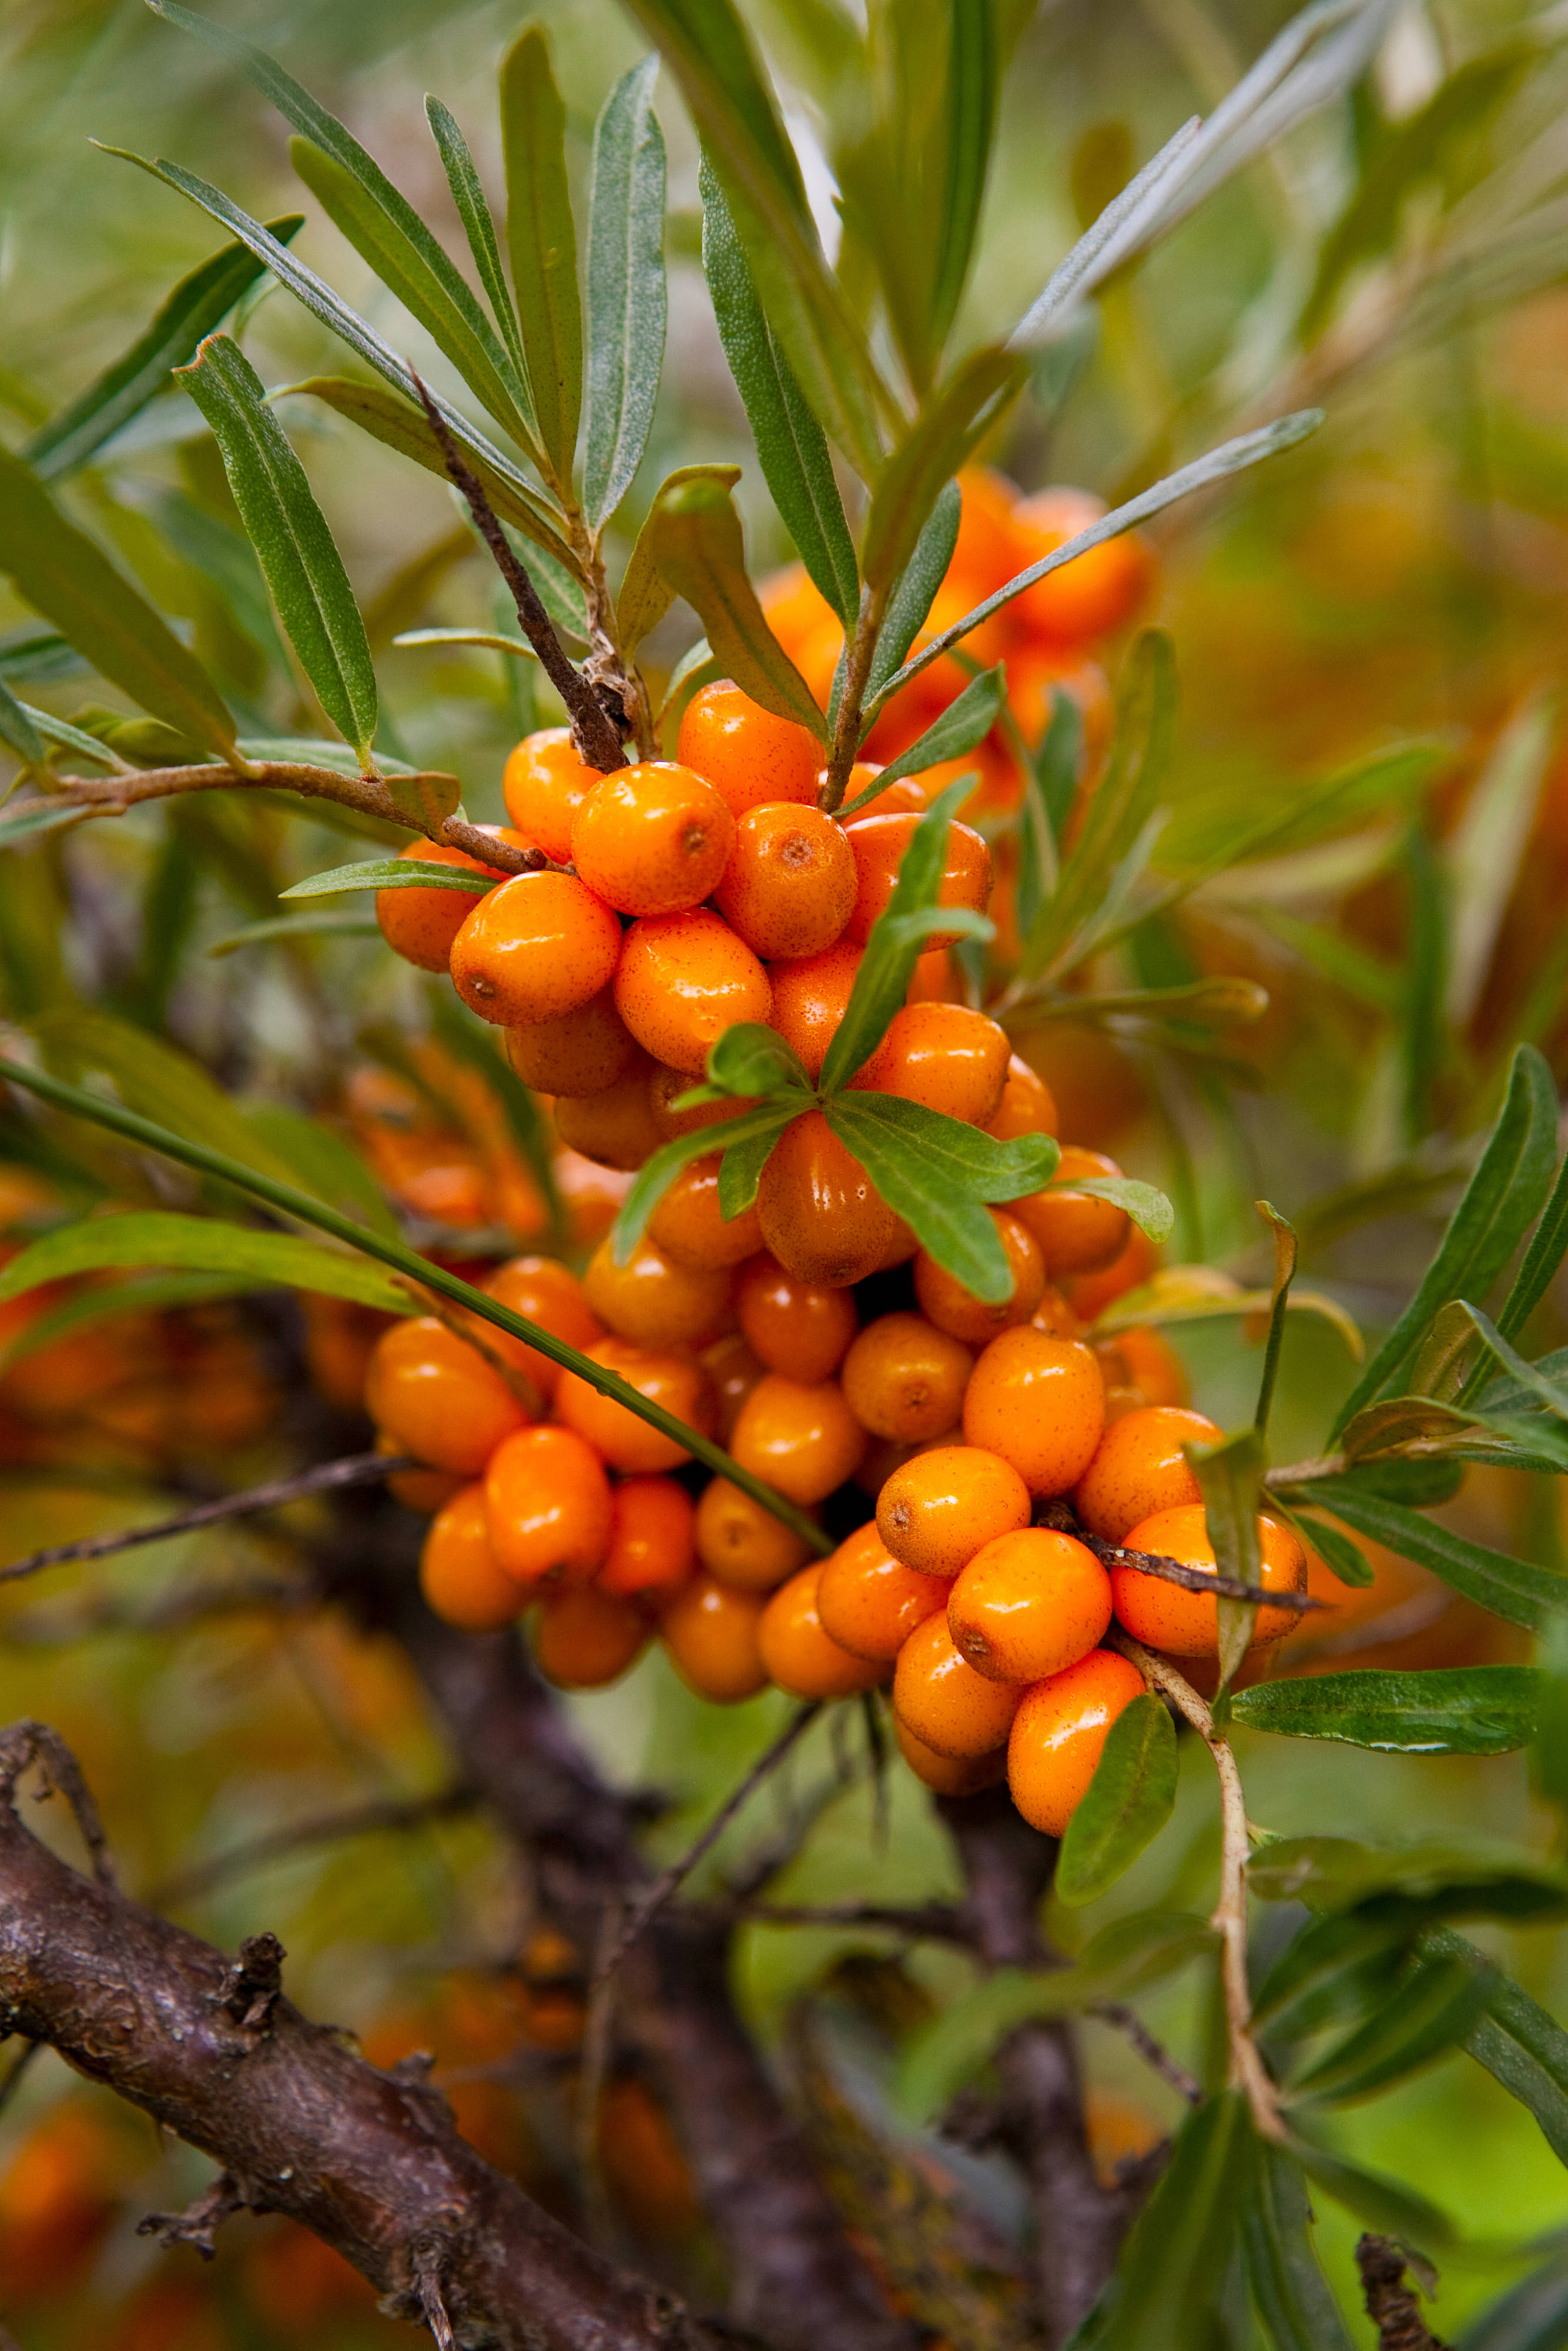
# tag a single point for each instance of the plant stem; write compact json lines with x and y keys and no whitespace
{"x":847,"y":727}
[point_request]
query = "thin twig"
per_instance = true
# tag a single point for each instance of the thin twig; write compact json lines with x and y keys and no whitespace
{"x":1391,"y":2304}
{"x":847,"y":727}
{"x":1302,"y":1473}
{"x":929,"y":1922}
{"x":1194,"y":1579}
{"x":1153,"y":2053}
{"x":35,"y":1742}
{"x":427,"y":2278}
{"x":389,"y":1814}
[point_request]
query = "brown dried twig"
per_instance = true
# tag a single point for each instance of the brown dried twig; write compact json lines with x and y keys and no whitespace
{"x":1391,"y":2304}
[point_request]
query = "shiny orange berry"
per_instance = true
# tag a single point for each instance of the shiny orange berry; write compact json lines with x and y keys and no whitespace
{"x":1026,"y":1107}
{"x":741,"y":1543}
{"x":822,"y":1216}
{"x":1029,"y":1604}
{"x":652,"y":1301}
{"x":614,"y":1431}
{"x":791,"y":1325}
{"x":424,"y":1491}
{"x":810,"y":999}
{"x":547,"y":1501}
{"x":421,"y":924}
{"x":1094,"y":593}
{"x":904,"y":796}
{"x":957,"y":1311}
{"x":654,"y":839}
{"x":539,"y":946}
{"x":800,"y":1657}
{"x":457,"y":1569}
{"x":939,"y":1509}
{"x":1054,"y":1315}
{"x":869,"y":1603}
{"x":710,"y":1631}
{"x":879,"y":844}
{"x":1039,"y":1402}
{"x":746,"y":753}
{"x":938,"y":1695}
{"x":549,"y":1293}
{"x":1145,"y":1360}
{"x":578,"y":1053}
{"x":666,"y":1087}
{"x":804,"y":1440}
{"x":650,"y":1551}
{"x":1164,"y":1616}
{"x":614,"y":1127}
{"x":943,"y":1056}
{"x":440,"y":1401}
{"x":904,"y":1379}
{"x":733,"y":1371}
{"x":1140,"y":1467}
{"x":684,"y":979}
{"x":1059,"y":1734}
{"x":791,"y":881}
{"x":1076,"y":1231}
{"x":689,"y":1227}
{"x":1138,"y":1260}
{"x":584,"y":1638}
{"x":544,"y":784}
{"x":950,"y":1775}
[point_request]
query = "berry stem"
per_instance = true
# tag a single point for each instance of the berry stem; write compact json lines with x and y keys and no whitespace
{"x":847,"y":728}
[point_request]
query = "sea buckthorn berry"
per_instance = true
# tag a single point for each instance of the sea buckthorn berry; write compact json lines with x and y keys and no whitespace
{"x":710,"y":1631}
{"x":943,"y":1056}
{"x":904,"y":1380}
{"x":546,"y":1502}
{"x":615,"y":1127}
{"x":1137,"y":1262}
{"x":746,"y":753}
{"x":544,"y":784}
{"x":687,"y":1226}
{"x":1076,"y":1231}
{"x":615,"y":1432}
{"x":1094,"y":593}
{"x":421,"y":924}
{"x":1027,"y":1107}
{"x":938,"y":1695}
{"x":1166,"y":1617}
{"x":651,"y":1549}
{"x":590,"y":1194}
{"x":1039,"y":1402}
{"x":654,"y":1301}
{"x":549,"y":1293}
{"x":800,"y":1657}
{"x":906,"y":795}
{"x":741,"y":1543}
{"x":577,"y":1054}
{"x":1059,"y":1734}
{"x":1029,"y":1604}
{"x":1140,"y":1467}
{"x":950,"y":1775}
{"x":733,"y":1371}
{"x":539,"y":946}
{"x":439,"y":1399}
{"x":654,"y":839}
{"x":794,"y":1326}
{"x":1143,"y":1359}
{"x":791,"y":881}
{"x":879,"y":844}
{"x":958,"y":1312}
{"x":869,"y":1603}
{"x":810,"y":999}
{"x":424,"y":1491}
{"x":1054,"y":1315}
{"x":666,"y":1086}
{"x":939,"y":1509}
{"x":804,"y":1440}
{"x":584,"y":1638}
{"x":682,"y":980}
{"x":457,"y":1569}
{"x":822,"y":1216}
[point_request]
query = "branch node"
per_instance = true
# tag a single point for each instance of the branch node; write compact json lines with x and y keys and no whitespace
{"x":35,"y":1742}
{"x":252,"y":1983}
{"x":1391,"y":2304}
{"x":198,"y":2223}
{"x":427,"y":2255}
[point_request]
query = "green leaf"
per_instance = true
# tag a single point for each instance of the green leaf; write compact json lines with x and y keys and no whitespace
{"x":659,"y":1171}
{"x":473,"y":1042}
{"x":944,"y":436}
{"x":1541,"y":1259}
{"x":1146,"y":1205}
{"x":894,"y":947}
{"x":1510,"y":1588}
{"x":324,"y":1162}
{"x":965,"y":722}
{"x":200,"y":302}
{"x":153,"y":1295}
{"x":912,"y":598}
{"x":541,"y":239}
{"x":1431,"y":1879}
{"x":30,"y":818}
{"x":1379,"y":2202}
{"x":1178,"y":2255}
{"x":740,"y":1171}
{"x":1532,"y":2316}
{"x":1434,"y":2008}
{"x":751,"y":1059}
{"x":201,"y":1245}
{"x":289,"y":532}
{"x":1128,"y":1802}
{"x":1293,"y":2297}
{"x":1421,"y":1485}
{"x":973,"y":90}
{"x":67,"y":577}
{"x":1455,"y":1710}
{"x":646,"y":595}
{"x":1285,"y":1253}
{"x":1536,"y":1386}
{"x":18,"y":732}
{"x":1333,"y":1973}
{"x":626,"y":296}
{"x":1335,"y":1550}
{"x":1230,"y":1475}
{"x":699,"y":548}
{"x":936,"y":1173}
{"x":391,"y":874}
{"x":474,"y":211}
{"x":790,"y":445}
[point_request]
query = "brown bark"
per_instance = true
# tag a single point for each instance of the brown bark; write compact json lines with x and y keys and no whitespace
{"x":1391,"y":2304}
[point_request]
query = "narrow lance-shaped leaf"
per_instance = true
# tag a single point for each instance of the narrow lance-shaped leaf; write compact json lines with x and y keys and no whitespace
{"x":1434,"y":2007}
{"x":963,"y":412}
{"x":289,"y":532}
{"x":965,"y":721}
{"x":474,"y":211}
{"x":1443,"y":1710}
{"x":1334,"y":1547}
{"x":391,"y":874}
{"x":646,"y":595}
{"x":1513,"y":1589}
{"x":937,"y":1174}
{"x":626,"y":294}
{"x":1179,"y":2252}
{"x":1532,"y":2316}
{"x":1541,"y":1259}
{"x":541,"y":240}
{"x":1516,"y":2039}
{"x":1294,"y":2298}
{"x":700,"y":548}
{"x":204,"y":1245}
{"x":18,"y":732}
{"x":974,"y":76}
{"x":1127,"y":1804}
{"x":915,"y":590}
{"x":659,"y":1171}
{"x":1230,"y":1477}
{"x":1284,"y":1274}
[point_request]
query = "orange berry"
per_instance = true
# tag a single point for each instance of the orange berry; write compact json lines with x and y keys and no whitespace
{"x":791,"y":881}
{"x":421,"y":924}
{"x":938,"y":1695}
{"x":614,"y":1127}
{"x":590,"y":1194}
{"x":943,"y":1056}
{"x":950,"y":1775}
{"x":666,"y":1087}
{"x":741,"y":1543}
{"x":1089,"y":1294}
{"x":799,"y":1656}
{"x":938,"y":1510}
{"x":804,"y":1440}
{"x":809,"y":1001}
{"x":544,"y":784}
{"x":440,"y":1400}
{"x":1029,"y":1604}
{"x":578,"y":1053}
{"x":820,"y":1214}
{"x":687,"y":1225}
{"x":710,"y":1632}
{"x":614,"y":1431}
{"x":548,"y":1503}
{"x":424,"y":1491}
{"x":879,"y":844}
{"x":1145,"y":1360}
{"x":1094,"y":593}
{"x":733,"y":1371}
{"x":457,"y":1569}
{"x":683,"y":979}
{"x":869,"y":1603}
{"x":1139,"y":1467}
{"x":584,"y":1638}
{"x":904,"y":796}
{"x":539,"y":946}
{"x":549,"y":1293}
{"x":791,"y":1325}
{"x":1164,"y":1616}
{"x":1058,"y":1733}
{"x":746,"y":753}
{"x":904,"y":1379}
{"x":956,"y":1310}
{"x":1054,"y":1315}
{"x":1077,"y":1232}
{"x":654,"y":1301}
{"x":654,"y":839}
{"x":651,"y":1553}
{"x":1039,"y":1402}
{"x":1026,"y":1106}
